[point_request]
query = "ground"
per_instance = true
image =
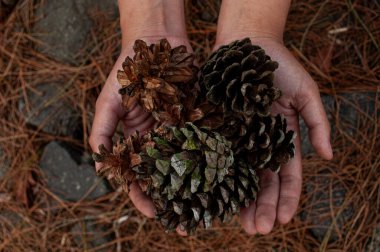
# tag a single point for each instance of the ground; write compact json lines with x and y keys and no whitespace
{"x":52,"y":69}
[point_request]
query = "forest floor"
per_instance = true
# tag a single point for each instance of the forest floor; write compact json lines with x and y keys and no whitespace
{"x":50,"y":197}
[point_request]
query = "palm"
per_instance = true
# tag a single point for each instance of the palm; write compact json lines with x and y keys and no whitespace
{"x":110,"y":111}
{"x":279,"y":195}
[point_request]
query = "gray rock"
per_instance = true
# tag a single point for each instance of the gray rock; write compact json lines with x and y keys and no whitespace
{"x":4,"y":164}
{"x":90,"y":234}
{"x":318,"y":212}
{"x":207,"y":13}
{"x":62,"y":26}
{"x":68,"y":179}
{"x":349,"y":115}
{"x":48,"y":111}
{"x":349,"y":110}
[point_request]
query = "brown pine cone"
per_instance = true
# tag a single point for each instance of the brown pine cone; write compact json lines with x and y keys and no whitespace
{"x":239,"y":77}
{"x":161,"y":79}
{"x":266,"y":143}
{"x":117,"y":164}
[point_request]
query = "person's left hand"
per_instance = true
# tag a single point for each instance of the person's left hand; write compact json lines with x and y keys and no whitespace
{"x":279,"y":195}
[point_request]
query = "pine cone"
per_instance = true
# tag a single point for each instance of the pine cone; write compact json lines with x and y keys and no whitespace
{"x":116,"y":164}
{"x":239,"y":76}
{"x":157,"y":78}
{"x":192,"y":178}
{"x":182,"y":151}
{"x":265,"y":143}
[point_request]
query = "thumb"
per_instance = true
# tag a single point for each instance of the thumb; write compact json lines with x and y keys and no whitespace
{"x":108,"y":112}
{"x":312,"y":111}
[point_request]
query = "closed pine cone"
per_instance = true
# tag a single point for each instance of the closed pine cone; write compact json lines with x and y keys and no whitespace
{"x":239,"y":76}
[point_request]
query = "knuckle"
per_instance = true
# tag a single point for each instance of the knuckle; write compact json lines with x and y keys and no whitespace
{"x":294,"y":183}
{"x":266,"y":208}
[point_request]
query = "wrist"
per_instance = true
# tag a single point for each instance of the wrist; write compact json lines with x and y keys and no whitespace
{"x":127,"y":48}
{"x":151,"y":19}
{"x":256,"y":19}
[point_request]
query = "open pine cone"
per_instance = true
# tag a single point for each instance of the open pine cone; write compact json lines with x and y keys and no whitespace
{"x":161,"y":79}
{"x":200,"y":161}
{"x":117,"y":164}
{"x":189,"y":173}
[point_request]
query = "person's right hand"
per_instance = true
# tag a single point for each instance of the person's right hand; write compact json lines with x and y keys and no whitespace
{"x":149,"y":21}
{"x":109,"y":112}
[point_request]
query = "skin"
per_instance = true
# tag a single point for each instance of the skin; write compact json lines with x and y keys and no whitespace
{"x":152,"y":20}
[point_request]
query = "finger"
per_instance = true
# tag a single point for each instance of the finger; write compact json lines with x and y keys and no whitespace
{"x":107,"y":114}
{"x":247,"y":218}
{"x":267,"y":201}
{"x":290,"y":180}
{"x":141,"y":201}
{"x":181,"y":232}
{"x":137,"y":119}
{"x":313,"y":112}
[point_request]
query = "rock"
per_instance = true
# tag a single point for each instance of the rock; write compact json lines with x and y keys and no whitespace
{"x":68,"y":179}
{"x":349,"y":115}
{"x":318,"y":212}
{"x":48,"y":111}
{"x":349,"y":106}
{"x":4,"y":164}
{"x":90,"y":234}
{"x":62,"y":26}
{"x":208,"y":9}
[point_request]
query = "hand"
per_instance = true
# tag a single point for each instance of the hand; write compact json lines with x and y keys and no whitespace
{"x":150,"y":21}
{"x":109,"y":112}
{"x":264,"y":23}
{"x":280,"y":193}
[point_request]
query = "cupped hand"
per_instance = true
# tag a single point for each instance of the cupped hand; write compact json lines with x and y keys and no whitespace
{"x":109,"y":112}
{"x":280,"y":193}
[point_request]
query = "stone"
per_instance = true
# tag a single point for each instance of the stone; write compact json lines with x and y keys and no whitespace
{"x":4,"y":164}
{"x":63,"y":26}
{"x":349,"y":116}
{"x":318,"y":211}
{"x":67,"y":178}
{"x":90,"y":234}
{"x":49,"y":112}
{"x":351,"y":106}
